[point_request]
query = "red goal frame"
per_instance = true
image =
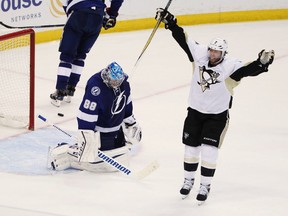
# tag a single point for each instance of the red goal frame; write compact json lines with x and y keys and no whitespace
{"x":31,"y":33}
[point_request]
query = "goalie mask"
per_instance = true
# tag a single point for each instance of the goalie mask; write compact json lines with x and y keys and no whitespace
{"x":220,"y":45}
{"x":113,"y":75}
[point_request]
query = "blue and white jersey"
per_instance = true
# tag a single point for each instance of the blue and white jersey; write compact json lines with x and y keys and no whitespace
{"x":70,"y":5}
{"x":103,"y":109}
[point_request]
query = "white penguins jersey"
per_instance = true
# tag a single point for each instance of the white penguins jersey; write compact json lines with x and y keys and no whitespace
{"x":211,"y":87}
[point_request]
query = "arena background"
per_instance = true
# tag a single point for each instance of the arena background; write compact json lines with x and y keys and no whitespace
{"x":138,"y":15}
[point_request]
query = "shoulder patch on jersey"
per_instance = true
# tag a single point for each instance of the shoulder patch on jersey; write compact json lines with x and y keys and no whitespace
{"x":95,"y":91}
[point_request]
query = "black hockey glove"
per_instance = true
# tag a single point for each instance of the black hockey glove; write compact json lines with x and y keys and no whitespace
{"x":166,"y":17}
{"x":109,"y":20}
{"x":266,"y":58}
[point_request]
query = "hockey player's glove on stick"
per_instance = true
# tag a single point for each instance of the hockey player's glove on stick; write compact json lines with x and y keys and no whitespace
{"x":111,"y":161}
{"x":152,"y":33}
{"x":166,"y":17}
{"x":36,"y":26}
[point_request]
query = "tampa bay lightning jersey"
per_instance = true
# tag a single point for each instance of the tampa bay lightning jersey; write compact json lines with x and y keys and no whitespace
{"x":103,"y":108}
{"x":70,"y":5}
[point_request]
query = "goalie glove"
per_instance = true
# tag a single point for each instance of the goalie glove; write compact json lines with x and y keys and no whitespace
{"x":266,"y":58}
{"x":133,"y":133}
{"x":166,"y":17}
{"x":109,"y":20}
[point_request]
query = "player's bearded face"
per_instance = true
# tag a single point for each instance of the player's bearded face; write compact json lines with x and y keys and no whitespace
{"x":214,"y":56}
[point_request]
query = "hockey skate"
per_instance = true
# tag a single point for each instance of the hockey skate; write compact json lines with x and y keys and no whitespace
{"x":186,"y":188}
{"x":69,"y":93}
{"x":57,"y":97}
{"x":203,"y":193}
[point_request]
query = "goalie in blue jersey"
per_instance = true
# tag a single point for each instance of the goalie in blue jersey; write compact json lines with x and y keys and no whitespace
{"x":105,"y":122}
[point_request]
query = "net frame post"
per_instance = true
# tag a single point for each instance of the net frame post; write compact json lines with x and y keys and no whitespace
{"x":30,"y":32}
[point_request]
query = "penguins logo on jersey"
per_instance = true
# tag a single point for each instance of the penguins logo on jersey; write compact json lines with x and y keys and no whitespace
{"x":118,"y":104}
{"x":207,"y":78}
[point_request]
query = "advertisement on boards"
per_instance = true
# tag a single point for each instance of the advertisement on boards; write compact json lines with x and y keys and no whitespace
{"x":31,"y":12}
{"x":50,"y":12}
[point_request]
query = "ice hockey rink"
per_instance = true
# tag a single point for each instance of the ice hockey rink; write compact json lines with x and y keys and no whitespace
{"x":251,"y":178}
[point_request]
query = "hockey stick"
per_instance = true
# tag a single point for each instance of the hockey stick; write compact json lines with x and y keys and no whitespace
{"x":152,"y":34}
{"x":111,"y":161}
{"x":24,"y":27}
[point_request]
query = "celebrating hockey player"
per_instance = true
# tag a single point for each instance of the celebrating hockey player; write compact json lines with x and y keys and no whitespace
{"x":105,"y":122}
{"x":83,"y":26}
{"x":210,"y":98}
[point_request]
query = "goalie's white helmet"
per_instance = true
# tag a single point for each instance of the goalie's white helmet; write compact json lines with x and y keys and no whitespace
{"x":113,"y":75}
{"x":220,"y":45}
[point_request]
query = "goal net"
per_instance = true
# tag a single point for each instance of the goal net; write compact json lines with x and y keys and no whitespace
{"x":17,"y":57}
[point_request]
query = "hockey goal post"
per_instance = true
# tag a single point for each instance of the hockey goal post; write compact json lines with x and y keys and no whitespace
{"x":17,"y":83}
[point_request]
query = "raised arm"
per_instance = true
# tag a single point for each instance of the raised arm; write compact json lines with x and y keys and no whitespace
{"x":178,"y":33}
{"x":256,"y":67}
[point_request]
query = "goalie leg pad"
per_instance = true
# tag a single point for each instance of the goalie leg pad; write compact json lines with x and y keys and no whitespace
{"x":59,"y":159}
{"x":86,"y":148}
{"x":120,"y":154}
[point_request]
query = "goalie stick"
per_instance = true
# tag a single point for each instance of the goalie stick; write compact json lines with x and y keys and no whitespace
{"x":152,"y":34}
{"x":35,"y":26}
{"x":111,"y":161}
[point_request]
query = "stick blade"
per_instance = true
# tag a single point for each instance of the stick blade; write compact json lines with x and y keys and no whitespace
{"x":146,"y":170}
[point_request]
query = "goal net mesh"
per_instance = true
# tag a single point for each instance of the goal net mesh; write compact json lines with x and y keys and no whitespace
{"x":17,"y":75}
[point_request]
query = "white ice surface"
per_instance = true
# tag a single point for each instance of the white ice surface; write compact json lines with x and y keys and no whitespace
{"x":251,"y":177}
